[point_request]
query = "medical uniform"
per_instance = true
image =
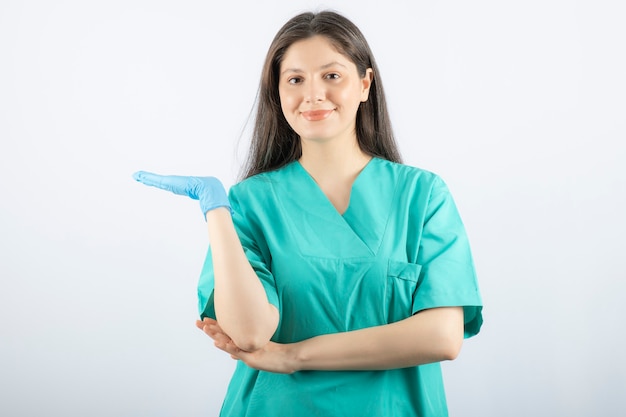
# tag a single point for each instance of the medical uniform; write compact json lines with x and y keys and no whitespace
{"x":399,"y":248}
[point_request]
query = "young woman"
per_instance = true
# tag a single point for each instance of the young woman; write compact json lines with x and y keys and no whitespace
{"x":338,"y":277}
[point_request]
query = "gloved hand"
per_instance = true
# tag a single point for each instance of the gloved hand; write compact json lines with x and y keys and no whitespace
{"x":208,"y":190}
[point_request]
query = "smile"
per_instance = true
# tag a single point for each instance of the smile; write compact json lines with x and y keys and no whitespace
{"x":316,"y":115}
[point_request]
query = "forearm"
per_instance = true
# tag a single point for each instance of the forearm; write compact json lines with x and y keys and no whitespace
{"x":430,"y":336}
{"x":241,"y":305}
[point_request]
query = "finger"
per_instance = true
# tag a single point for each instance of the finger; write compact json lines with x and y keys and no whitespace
{"x":214,"y":325}
{"x":219,"y":337}
{"x":209,"y":320}
{"x":201,"y":324}
{"x":228,"y":347}
{"x":148,"y":178}
{"x":215,"y":333}
{"x":205,"y":322}
{"x":221,"y":346}
{"x":208,"y":330}
{"x":173,"y":183}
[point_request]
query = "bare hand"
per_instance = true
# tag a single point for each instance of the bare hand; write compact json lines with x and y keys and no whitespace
{"x":273,"y":357}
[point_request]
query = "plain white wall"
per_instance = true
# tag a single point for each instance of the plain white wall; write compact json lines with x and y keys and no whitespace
{"x":518,"y":105}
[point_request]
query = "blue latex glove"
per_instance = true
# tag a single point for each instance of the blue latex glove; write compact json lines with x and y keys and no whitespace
{"x":208,"y":190}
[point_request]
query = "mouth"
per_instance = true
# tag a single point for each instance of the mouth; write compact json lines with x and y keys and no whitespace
{"x":316,"y":115}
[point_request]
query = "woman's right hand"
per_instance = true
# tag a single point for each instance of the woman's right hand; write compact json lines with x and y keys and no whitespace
{"x":273,"y":357}
{"x":209,"y":191}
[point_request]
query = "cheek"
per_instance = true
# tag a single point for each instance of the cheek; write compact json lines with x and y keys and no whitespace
{"x":286,"y":99}
{"x":287,"y":106}
{"x":286,"y":102}
{"x":350,"y":97}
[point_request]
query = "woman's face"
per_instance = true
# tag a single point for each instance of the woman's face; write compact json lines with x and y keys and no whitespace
{"x":320,"y":91}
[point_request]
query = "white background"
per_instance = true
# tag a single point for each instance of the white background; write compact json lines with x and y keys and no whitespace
{"x":519,"y":106}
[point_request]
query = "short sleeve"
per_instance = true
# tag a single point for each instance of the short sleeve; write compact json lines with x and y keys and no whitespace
{"x":257,"y":252}
{"x":448,"y":276}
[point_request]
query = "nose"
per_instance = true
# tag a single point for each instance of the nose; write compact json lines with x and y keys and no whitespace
{"x":315,"y":92}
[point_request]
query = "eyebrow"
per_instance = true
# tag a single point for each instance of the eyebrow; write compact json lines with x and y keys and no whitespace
{"x":323,"y":67}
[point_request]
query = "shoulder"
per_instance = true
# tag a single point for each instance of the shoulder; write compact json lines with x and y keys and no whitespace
{"x":411,"y":178}
{"x":263,"y":180}
{"x":259,"y":188}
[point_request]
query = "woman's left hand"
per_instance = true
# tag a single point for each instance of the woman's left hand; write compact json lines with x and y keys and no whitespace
{"x":273,"y":357}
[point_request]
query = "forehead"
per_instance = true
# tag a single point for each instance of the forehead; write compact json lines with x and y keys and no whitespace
{"x":313,"y":52}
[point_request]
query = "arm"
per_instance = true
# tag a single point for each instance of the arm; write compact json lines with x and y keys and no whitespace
{"x":240,"y":300}
{"x":430,"y":336}
{"x":241,"y":305}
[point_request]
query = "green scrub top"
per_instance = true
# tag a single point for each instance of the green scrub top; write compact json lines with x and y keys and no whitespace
{"x":399,"y":248}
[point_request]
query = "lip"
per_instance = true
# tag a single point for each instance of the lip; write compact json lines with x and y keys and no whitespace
{"x":316,"y":115}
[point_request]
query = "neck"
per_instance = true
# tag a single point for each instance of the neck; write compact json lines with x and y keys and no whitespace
{"x":333,"y":159}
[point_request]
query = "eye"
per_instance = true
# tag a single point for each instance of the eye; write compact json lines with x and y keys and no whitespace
{"x":294,"y":80}
{"x":332,"y":76}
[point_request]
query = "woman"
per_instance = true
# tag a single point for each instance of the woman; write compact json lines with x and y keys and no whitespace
{"x":338,"y":277}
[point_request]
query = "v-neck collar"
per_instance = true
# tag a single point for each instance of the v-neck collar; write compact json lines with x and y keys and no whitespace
{"x":359,"y":231}
{"x":361,"y":173}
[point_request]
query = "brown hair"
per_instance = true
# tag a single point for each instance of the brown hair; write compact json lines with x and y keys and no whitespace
{"x":274,"y":143}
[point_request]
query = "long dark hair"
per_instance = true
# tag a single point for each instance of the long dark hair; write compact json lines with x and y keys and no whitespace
{"x":274,"y":143}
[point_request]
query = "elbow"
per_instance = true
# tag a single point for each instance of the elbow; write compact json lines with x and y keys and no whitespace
{"x":450,"y":334}
{"x":250,"y":343}
{"x":253,"y":336}
{"x":450,"y":347}
{"x":249,"y":338}
{"x":250,"y":334}
{"x":451,"y":351}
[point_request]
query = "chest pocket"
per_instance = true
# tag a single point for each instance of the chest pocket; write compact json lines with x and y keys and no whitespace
{"x":401,"y":286}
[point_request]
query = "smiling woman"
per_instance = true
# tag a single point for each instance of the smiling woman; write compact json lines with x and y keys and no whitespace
{"x":331,"y":255}
{"x":330,"y":93}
